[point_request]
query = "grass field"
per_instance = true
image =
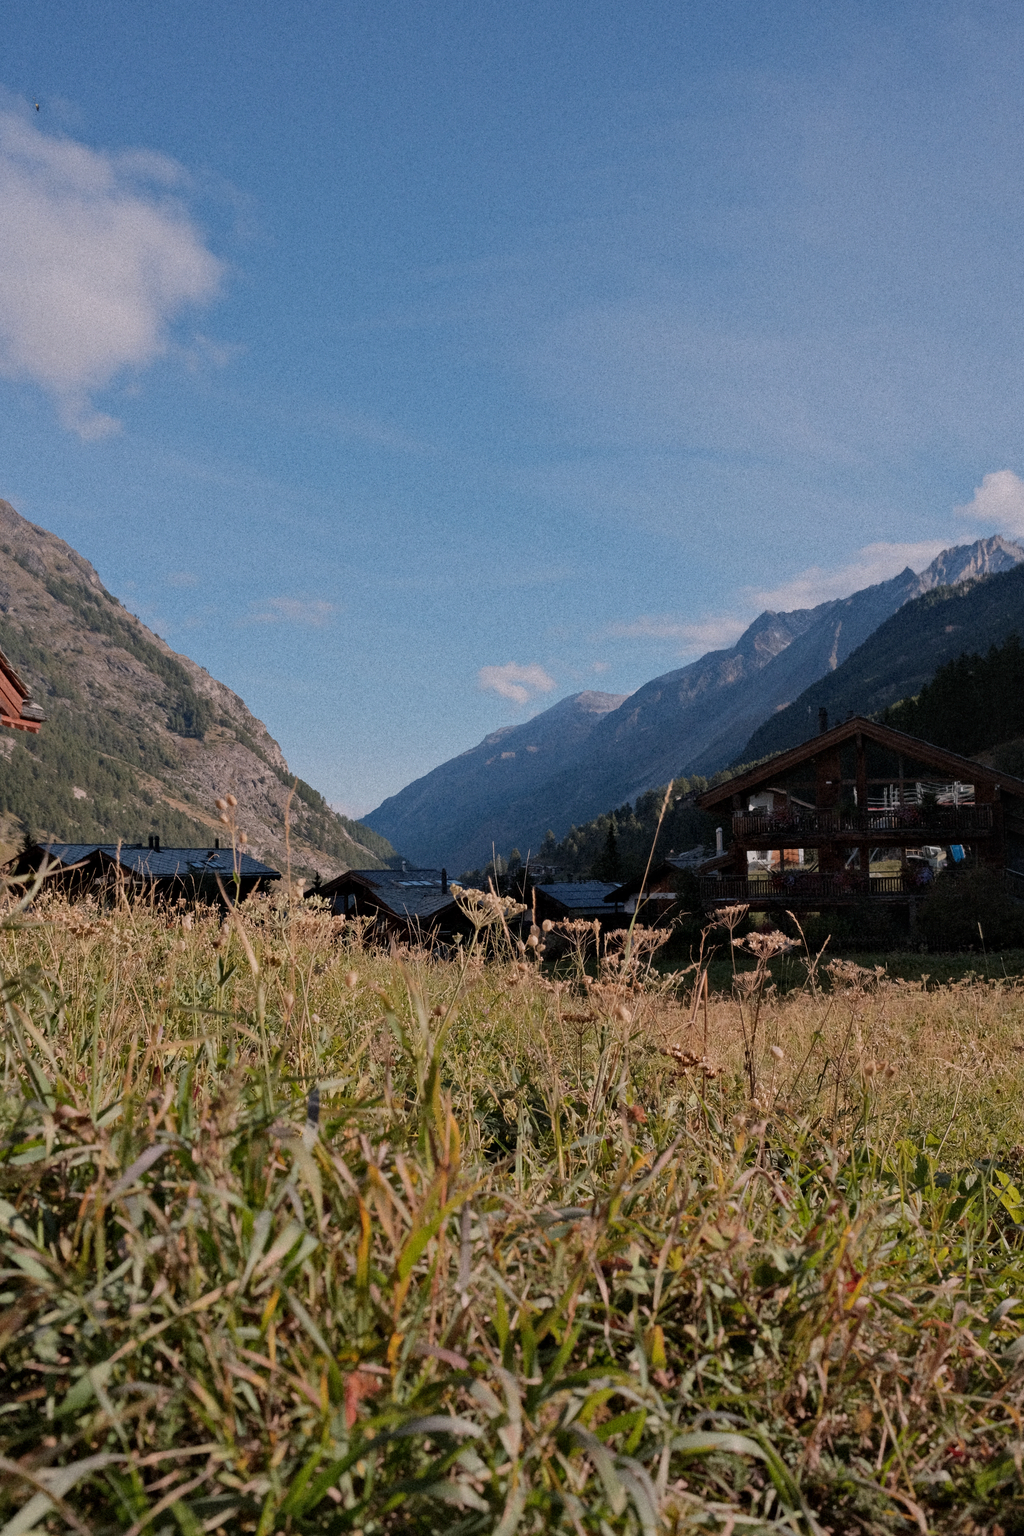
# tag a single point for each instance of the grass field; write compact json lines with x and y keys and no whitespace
{"x":300,"y":1236}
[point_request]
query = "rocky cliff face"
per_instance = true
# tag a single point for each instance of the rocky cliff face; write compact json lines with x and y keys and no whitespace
{"x":694,"y":720}
{"x":138,"y":739}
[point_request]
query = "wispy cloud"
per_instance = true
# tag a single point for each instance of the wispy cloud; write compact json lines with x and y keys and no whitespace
{"x":706,"y":633}
{"x":871,"y":564}
{"x":97,"y":257}
{"x":182,"y":579}
{"x":809,"y":587}
{"x":313,"y":611}
{"x":515,"y":682}
{"x":998,"y":499}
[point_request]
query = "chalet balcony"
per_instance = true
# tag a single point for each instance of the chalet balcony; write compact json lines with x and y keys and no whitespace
{"x":807,"y":889}
{"x":802,"y":829}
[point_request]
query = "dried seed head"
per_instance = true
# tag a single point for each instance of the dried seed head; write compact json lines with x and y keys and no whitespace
{"x":231,"y":800}
{"x":622,"y":1012}
{"x":289,"y":1001}
{"x":221,"y":803}
{"x":186,"y":922}
{"x":225,"y":818}
{"x":532,"y":941}
{"x":547,"y":925}
{"x":315,"y":1017}
{"x":778,"y":1052}
{"x":242,"y":840}
{"x":351,"y":980}
{"x":534,"y":931}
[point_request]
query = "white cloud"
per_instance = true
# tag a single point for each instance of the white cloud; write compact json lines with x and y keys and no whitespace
{"x":97,"y":257}
{"x":998,"y":499}
{"x":515,"y":682}
{"x":295,"y":610}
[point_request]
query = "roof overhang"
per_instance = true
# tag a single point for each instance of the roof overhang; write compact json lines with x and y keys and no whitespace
{"x":901,"y":742}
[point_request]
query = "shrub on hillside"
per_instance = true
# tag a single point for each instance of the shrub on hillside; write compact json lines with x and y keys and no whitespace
{"x":960,"y":902}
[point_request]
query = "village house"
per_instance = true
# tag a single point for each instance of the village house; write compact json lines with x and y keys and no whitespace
{"x":861,"y":812}
{"x":197,"y":874}
{"x":581,"y":899}
{"x":655,"y":895}
{"x":410,"y":905}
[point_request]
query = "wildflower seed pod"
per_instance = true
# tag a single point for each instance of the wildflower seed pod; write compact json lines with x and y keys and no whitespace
{"x":231,"y":800}
{"x":778,"y":1052}
{"x":351,"y":980}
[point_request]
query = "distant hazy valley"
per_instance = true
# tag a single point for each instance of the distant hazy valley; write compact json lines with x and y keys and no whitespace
{"x":140,"y":740}
{"x":593,"y":752}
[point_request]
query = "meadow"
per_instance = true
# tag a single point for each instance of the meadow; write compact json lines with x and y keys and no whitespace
{"x":304,"y":1234}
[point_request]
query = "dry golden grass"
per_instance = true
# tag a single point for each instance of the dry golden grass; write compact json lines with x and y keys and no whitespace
{"x":303,"y":1235}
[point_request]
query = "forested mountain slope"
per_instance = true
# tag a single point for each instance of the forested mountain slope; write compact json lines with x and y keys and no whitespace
{"x":138,"y":740}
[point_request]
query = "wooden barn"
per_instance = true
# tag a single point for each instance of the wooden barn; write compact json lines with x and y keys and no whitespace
{"x":198,"y":874}
{"x":861,"y":812}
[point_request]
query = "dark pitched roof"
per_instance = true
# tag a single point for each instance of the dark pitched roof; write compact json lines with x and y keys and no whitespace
{"x":408,"y":893}
{"x":696,"y":860}
{"x":584,"y":895}
{"x":897,"y":741}
{"x":164,"y":863}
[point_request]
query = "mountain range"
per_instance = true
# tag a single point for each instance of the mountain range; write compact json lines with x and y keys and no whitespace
{"x":592,"y":752}
{"x":139,"y":740}
{"x":901,"y":655}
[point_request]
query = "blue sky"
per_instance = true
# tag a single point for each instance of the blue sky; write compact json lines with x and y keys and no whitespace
{"x":413,"y":365}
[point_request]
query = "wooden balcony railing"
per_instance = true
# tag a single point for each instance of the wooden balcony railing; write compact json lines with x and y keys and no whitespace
{"x":800,"y":887}
{"x":923,"y":821}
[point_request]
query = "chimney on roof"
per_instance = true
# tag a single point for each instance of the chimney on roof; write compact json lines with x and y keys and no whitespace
{"x":822,"y":721}
{"x":216,"y":842}
{"x":156,"y":843}
{"x":444,"y":882}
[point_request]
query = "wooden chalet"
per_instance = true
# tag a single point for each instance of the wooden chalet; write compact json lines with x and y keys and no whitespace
{"x":410,"y":905}
{"x":197,"y":874}
{"x":861,"y":812}
{"x":18,"y":710}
